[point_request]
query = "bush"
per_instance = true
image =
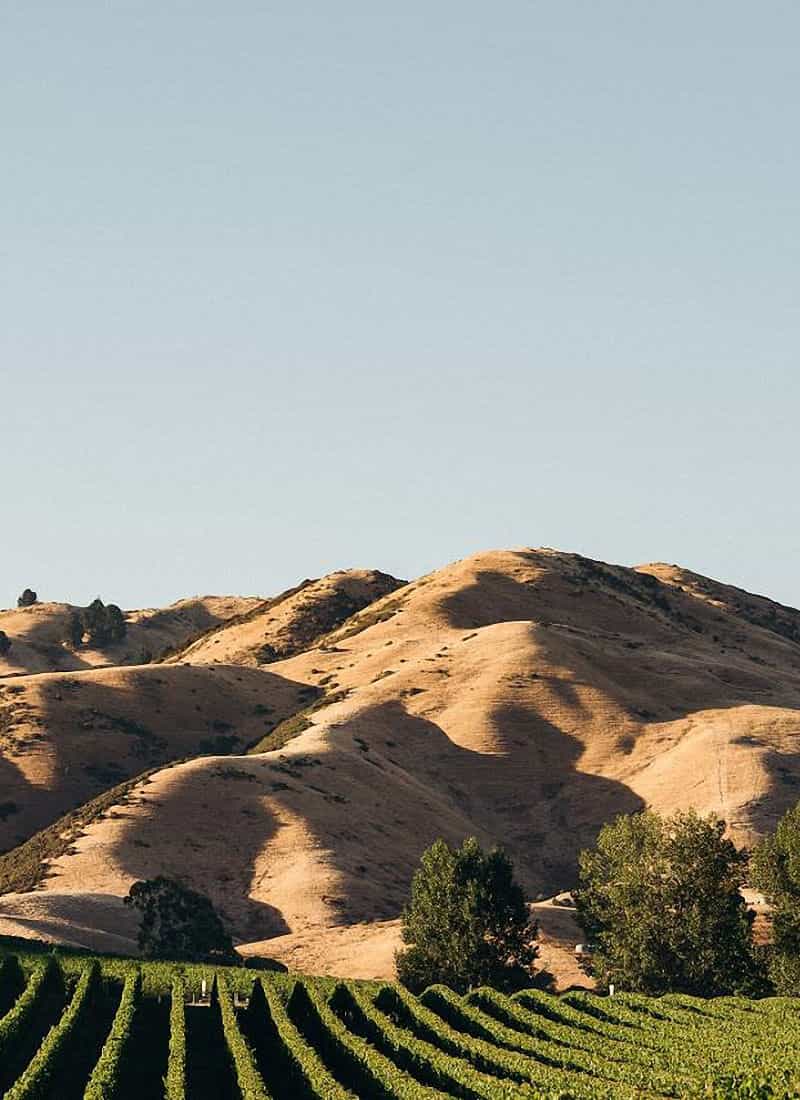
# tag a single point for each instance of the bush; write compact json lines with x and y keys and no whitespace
{"x":28,"y":598}
{"x":179,"y":923}
{"x":5,"y":643}
{"x":467,"y":923}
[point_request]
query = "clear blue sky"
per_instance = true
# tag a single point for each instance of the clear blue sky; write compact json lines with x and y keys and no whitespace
{"x":300,"y":286}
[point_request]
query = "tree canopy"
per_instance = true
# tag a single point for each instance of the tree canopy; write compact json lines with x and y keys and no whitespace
{"x":28,"y":598}
{"x":775,"y":870}
{"x":659,"y":900}
{"x":178,"y":923}
{"x":98,"y":625}
{"x":467,"y":923}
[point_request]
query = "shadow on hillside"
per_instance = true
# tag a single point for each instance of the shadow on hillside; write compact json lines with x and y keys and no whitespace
{"x":208,"y":830}
{"x":531,"y":800}
{"x":637,"y":620}
{"x":43,"y":635}
{"x":13,"y":788}
{"x":102,"y":732}
{"x":783,"y":794}
{"x":657,"y":654}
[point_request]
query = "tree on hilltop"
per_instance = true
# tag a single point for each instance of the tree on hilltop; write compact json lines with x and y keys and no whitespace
{"x":659,"y":900}
{"x":99,"y":624}
{"x":467,"y":923}
{"x":179,"y":923}
{"x":775,"y":870}
{"x":28,"y":598}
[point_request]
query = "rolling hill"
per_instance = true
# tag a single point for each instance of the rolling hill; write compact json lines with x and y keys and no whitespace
{"x":37,"y":633}
{"x":522,"y":696}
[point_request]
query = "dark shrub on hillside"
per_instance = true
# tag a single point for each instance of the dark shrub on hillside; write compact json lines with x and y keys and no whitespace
{"x":28,"y":598}
{"x":179,"y":923}
{"x":97,"y":625}
{"x":5,"y":643}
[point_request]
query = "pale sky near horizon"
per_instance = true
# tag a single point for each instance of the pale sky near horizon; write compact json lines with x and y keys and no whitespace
{"x":288,"y":288}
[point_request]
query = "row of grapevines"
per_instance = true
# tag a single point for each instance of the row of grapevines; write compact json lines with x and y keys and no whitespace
{"x":350,"y":1056}
{"x":545,"y":1073}
{"x":642,"y":1063}
{"x":36,"y":1080}
{"x":615,"y":1043}
{"x":12,"y":982}
{"x":249,"y":1079}
{"x":175,"y":1084}
{"x":450,"y":1072}
{"x":703,"y":1042}
{"x":281,"y":1047}
{"x":105,"y":1081}
{"x":16,"y":1020}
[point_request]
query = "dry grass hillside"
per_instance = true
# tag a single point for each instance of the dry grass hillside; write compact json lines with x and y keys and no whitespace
{"x":66,"y":737}
{"x":522,"y":696}
{"x":292,"y":622}
{"x":37,"y":634}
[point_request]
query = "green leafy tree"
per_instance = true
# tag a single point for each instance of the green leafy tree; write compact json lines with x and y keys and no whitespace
{"x":5,"y":643}
{"x":775,"y":870}
{"x":28,"y":598}
{"x":178,"y":923}
{"x":467,"y":923}
{"x":660,"y":903}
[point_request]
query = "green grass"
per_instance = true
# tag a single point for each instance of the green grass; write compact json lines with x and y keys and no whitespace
{"x":302,"y":1038}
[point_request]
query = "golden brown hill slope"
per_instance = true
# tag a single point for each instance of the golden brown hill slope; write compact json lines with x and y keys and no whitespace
{"x":293,"y":622}
{"x":37,"y":633}
{"x":523,"y":696}
{"x":65,"y":737}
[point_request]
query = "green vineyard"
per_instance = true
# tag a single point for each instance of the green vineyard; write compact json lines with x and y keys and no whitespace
{"x":112,"y":1030}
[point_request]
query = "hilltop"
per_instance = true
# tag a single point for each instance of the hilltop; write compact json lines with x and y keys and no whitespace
{"x":522,"y":696}
{"x":38,"y":633}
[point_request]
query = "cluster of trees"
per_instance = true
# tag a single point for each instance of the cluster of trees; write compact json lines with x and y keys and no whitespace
{"x":659,"y":899}
{"x":97,"y":625}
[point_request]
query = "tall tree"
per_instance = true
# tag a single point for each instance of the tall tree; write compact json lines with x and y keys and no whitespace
{"x":467,"y":923}
{"x":659,"y":900}
{"x":775,"y":870}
